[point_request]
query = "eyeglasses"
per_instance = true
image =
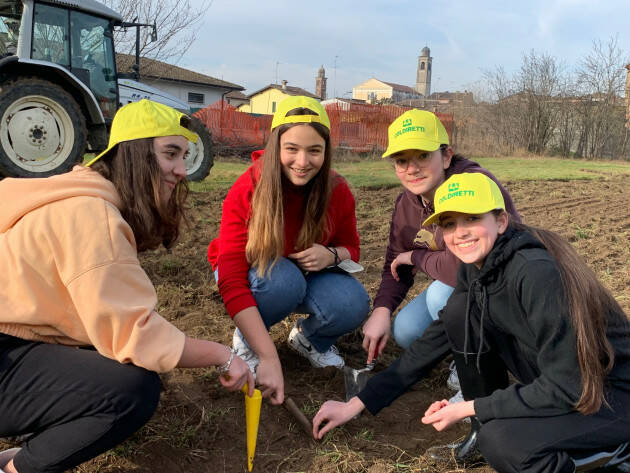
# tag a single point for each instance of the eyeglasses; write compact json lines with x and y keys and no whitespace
{"x":401,"y":164}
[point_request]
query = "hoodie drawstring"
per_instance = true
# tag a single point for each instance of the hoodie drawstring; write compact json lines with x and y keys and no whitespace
{"x":484,"y":310}
{"x":467,"y":320}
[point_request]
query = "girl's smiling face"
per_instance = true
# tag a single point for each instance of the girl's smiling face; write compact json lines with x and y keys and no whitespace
{"x":421,"y":172}
{"x":471,"y":237}
{"x":301,"y":154}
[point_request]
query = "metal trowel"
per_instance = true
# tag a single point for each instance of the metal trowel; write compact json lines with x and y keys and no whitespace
{"x":355,"y":380}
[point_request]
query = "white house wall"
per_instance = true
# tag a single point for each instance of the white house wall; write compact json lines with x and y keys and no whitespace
{"x":180,"y":90}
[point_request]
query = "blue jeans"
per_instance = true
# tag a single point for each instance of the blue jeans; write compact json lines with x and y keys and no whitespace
{"x":413,"y":319}
{"x":336,"y":302}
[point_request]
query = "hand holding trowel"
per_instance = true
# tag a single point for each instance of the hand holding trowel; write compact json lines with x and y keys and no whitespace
{"x":355,"y":380}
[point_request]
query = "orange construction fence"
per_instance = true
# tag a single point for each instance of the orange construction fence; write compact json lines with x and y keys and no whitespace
{"x":353,"y":127}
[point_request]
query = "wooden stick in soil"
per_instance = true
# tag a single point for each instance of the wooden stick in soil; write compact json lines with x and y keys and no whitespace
{"x":299,"y":416}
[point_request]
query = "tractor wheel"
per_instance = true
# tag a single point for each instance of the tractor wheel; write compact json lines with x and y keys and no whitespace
{"x":42,"y":129}
{"x":201,"y":154}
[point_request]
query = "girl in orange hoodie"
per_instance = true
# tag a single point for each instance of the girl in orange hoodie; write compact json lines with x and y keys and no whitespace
{"x":72,"y":279}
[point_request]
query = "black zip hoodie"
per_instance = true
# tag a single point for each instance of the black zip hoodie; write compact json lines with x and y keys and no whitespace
{"x":513,"y":303}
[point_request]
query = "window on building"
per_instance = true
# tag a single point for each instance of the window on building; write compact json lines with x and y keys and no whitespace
{"x":422,"y":66}
{"x":273,"y":107}
{"x":195,"y":98}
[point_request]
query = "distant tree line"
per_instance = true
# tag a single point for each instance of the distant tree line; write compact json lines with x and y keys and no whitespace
{"x":545,"y":108}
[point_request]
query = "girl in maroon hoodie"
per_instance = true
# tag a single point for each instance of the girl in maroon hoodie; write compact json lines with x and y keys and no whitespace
{"x":422,"y":159}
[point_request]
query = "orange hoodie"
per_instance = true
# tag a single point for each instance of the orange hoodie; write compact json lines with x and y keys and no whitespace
{"x":69,"y":271}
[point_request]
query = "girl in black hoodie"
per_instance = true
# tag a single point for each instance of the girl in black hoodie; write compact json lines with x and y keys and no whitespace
{"x":526,"y":303}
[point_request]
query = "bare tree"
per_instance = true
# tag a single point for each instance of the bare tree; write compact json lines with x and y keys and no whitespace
{"x":500,"y":113}
{"x":538,"y":83}
{"x":567,"y":118}
{"x":177,"y":23}
{"x":601,"y":82}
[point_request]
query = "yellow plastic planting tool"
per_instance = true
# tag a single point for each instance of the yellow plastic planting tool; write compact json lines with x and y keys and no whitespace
{"x":252,"y":417}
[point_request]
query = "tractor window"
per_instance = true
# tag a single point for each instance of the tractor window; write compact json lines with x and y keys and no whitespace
{"x":93,"y":51}
{"x":10,"y":14}
{"x":50,"y":35}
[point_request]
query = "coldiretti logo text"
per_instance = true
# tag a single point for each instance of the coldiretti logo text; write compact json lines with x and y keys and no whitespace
{"x":407,"y":129}
{"x":455,"y":192}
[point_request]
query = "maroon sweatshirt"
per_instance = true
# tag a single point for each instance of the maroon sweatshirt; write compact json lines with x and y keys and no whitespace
{"x":430,"y":254}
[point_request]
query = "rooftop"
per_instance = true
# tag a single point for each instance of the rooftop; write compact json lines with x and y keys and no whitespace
{"x":159,"y":70}
{"x":288,"y":89}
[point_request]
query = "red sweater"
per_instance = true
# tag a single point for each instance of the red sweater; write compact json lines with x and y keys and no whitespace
{"x":227,"y":252}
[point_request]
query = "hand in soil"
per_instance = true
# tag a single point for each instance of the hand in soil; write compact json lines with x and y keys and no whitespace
{"x":270,"y":379}
{"x":442,"y":414}
{"x":335,"y":413}
{"x":376,"y":331}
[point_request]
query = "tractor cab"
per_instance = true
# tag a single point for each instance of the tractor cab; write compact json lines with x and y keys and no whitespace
{"x":10,"y":14}
{"x":59,"y":88}
{"x":82,"y":42}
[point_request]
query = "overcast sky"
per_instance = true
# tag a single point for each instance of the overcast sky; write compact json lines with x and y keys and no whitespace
{"x":247,"y":41}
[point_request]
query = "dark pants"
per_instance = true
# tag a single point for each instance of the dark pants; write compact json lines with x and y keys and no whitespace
{"x":77,"y":403}
{"x":548,"y":444}
{"x":529,"y":444}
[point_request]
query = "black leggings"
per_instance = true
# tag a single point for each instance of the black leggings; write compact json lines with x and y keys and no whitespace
{"x":531,"y":444}
{"x":549,"y":444}
{"x":77,"y":403}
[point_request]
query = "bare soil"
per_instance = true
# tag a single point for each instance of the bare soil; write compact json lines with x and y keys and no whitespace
{"x":200,"y":427}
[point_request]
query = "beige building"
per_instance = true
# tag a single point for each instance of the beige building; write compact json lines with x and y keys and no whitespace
{"x":265,"y":100}
{"x":374,"y":90}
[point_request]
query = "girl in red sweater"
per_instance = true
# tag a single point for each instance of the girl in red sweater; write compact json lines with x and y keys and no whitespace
{"x":287,"y":222}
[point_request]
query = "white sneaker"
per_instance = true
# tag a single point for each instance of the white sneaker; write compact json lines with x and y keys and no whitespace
{"x":300,"y":344}
{"x":7,"y":455}
{"x":453,"y":380}
{"x":605,"y":459}
{"x":458,"y":397}
{"x":244,"y":351}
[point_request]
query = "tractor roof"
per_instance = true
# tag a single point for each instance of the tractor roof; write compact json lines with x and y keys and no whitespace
{"x":90,"y":6}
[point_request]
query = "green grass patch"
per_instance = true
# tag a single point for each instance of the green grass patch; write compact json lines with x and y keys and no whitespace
{"x":222,"y":176}
{"x":552,"y":169}
{"x":379,"y":173}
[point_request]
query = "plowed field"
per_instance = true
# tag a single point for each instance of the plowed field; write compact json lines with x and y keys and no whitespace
{"x":200,"y":427}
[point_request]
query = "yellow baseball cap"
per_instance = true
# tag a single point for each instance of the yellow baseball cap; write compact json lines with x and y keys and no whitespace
{"x":415,"y":129}
{"x":468,"y":193}
{"x":145,"y":119}
{"x":300,"y":101}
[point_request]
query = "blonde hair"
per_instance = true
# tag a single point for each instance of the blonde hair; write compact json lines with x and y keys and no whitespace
{"x":265,"y":241}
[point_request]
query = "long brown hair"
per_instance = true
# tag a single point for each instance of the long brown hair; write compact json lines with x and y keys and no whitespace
{"x":133,"y":169}
{"x":265,"y":241}
{"x":591,"y":306}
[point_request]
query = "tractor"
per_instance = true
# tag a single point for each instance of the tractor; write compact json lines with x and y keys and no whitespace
{"x":59,"y":87}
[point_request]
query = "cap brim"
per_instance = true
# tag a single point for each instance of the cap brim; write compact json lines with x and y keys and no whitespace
{"x":432,"y":219}
{"x":476,"y":211}
{"x":99,"y":156}
{"x":421,"y":145}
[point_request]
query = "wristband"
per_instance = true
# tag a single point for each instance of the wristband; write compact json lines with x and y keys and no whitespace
{"x":333,"y":250}
{"x":225,"y":367}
